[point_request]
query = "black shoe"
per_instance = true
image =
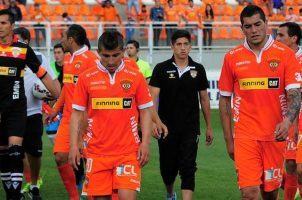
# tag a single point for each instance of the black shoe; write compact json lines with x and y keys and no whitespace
{"x":34,"y":194}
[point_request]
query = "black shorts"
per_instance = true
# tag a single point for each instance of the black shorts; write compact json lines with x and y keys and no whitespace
{"x":12,"y":122}
{"x":32,"y":142}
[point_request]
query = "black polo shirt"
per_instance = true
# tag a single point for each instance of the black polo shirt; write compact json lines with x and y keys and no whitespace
{"x":179,"y":95}
{"x":13,"y":59}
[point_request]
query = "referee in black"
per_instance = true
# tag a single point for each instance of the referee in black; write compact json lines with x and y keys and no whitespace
{"x":178,"y":86}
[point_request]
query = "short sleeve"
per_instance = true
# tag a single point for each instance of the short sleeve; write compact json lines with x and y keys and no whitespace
{"x":31,"y":60}
{"x":203,"y":82}
{"x":46,"y":66}
{"x":156,"y":80}
{"x":226,"y":80}
{"x":292,"y":72}
{"x":80,"y":97}
{"x":143,"y":96}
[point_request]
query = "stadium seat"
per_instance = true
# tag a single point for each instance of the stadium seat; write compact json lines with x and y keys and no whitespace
{"x":215,"y":33}
{"x":92,"y":18}
{"x":217,"y":10}
{"x":91,"y":34}
{"x":58,"y":9}
{"x":46,"y":9}
{"x":65,"y":1}
{"x":289,"y":2}
{"x":238,"y":10}
{"x":226,"y":18}
{"x":224,"y":33}
{"x":236,"y":33}
{"x":84,"y":10}
{"x":220,"y":2}
{"x":79,"y":2}
{"x":54,"y":18}
{"x":298,"y":2}
{"x":78,"y":18}
{"x":41,"y":1}
{"x":122,"y":2}
{"x":72,"y":9}
{"x":208,"y":1}
{"x":227,"y":10}
{"x":23,"y":9}
{"x":96,"y":10}
{"x":30,"y":9}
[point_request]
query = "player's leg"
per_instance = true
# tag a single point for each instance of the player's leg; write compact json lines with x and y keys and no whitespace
{"x":249,"y":167}
{"x":299,"y":163}
{"x":168,"y":160}
{"x":61,"y":150}
{"x":273,"y":158}
{"x":188,"y":146}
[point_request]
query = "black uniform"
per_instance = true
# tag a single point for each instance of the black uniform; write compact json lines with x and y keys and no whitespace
{"x":179,"y":110}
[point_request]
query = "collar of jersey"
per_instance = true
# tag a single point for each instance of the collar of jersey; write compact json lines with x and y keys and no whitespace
{"x":15,"y":39}
{"x":299,"y":52}
{"x":268,"y":43}
{"x":78,"y":52}
{"x":102,"y":68}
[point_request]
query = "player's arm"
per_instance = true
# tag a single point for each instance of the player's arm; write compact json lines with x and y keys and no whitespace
{"x":294,"y":103}
{"x":146,"y":127}
{"x":74,"y":130}
{"x":225,"y":110}
{"x":54,"y":89}
{"x":159,"y":128}
{"x":206,"y":111}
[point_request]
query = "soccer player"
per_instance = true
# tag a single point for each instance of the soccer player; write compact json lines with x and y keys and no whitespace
{"x":132,"y":49}
{"x":261,"y":76}
{"x":114,"y":94}
{"x":14,"y":57}
{"x":57,"y":64}
{"x":32,"y":141}
{"x":80,"y":59}
{"x":179,"y":85}
{"x":290,"y":34}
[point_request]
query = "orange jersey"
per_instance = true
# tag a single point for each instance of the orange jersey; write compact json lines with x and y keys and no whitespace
{"x":112,"y":103}
{"x":74,"y":65}
{"x":192,"y":14}
{"x":172,"y":14}
{"x":258,"y":85}
{"x":299,"y":57}
{"x":109,"y":14}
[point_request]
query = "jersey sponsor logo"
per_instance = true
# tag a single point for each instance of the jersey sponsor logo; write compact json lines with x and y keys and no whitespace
{"x":273,"y":174}
{"x":70,"y":78}
{"x":16,"y":90}
{"x":246,"y":62}
{"x":8,"y":71}
{"x":193,"y":73}
{"x":273,"y":64}
{"x":126,"y":85}
{"x":259,"y":83}
{"x":133,"y":123}
{"x":15,"y":52}
{"x":125,"y":170}
{"x":111,"y":103}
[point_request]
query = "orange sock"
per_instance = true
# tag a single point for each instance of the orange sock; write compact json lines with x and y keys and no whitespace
{"x":290,"y":186}
{"x":27,"y":176}
{"x":69,"y":181}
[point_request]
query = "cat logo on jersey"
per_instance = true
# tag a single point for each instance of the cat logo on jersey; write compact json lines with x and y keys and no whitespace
{"x":126,"y":85}
{"x":70,"y":78}
{"x":111,"y":103}
{"x":273,"y":64}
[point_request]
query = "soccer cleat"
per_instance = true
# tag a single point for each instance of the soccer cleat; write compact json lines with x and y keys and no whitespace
{"x":173,"y":197}
{"x":26,"y":188}
{"x":34,"y":194}
{"x":40,"y":182}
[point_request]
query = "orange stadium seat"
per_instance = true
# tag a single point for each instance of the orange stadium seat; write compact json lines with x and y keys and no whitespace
{"x":227,"y":10}
{"x":225,"y":18}
{"x":236,"y":33}
{"x":91,"y":34}
{"x":217,"y":10}
{"x":238,"y":10}
{"x":202,"y":9}
{"x":41,"y":1}
{"x":92,"y":18}
{"x":30,"y":9}
{"x":236,"y":18}
{"x":23,"y":9}
{"x":46,"y":9}
{"x":78,"y":2}
{"x":58,"y":9}
{"x":208,"y":1}
{"x":224,"y":33}
{"x":298,"y":2}
{"x":26,"y":18}
{"x":289,"y":2}
{"x":78,"y":18}
{"x":72,"y":9}
{"x":84,"y":10}
{"x":220,"y":2}
{"x":215,"y":33}
{"x":54,"y":18}
{"x":96,"y":9}
{"x":65,"y":1}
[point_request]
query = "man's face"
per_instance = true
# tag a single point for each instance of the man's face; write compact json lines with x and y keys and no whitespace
{"x":111,"y":59}
{"x":59,"y":54}
{"x":181,"y":48}
{"x":283,"y":37}
{"x":131,"y":50}
{"x":66,"y":43}
{"x":255,"y":29}
{"x":6,"y":28}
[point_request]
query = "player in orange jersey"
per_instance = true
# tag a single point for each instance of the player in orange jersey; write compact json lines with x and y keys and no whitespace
{"x":261,"y":76}
{"x":78,"y":61}
{"x":114,"y":94}
{"x":290,"y":34}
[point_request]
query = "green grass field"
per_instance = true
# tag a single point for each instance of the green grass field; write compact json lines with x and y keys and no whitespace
{"x":215,"y":177}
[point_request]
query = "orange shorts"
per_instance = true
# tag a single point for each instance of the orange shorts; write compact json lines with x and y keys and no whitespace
{"x":291,"y":148}
{"x":107,"y":173}
{"x":62,"y":137}
{"x":259,"y":163}
{"x":299,"y":149}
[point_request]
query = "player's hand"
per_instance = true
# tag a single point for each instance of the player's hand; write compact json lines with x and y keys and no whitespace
{"x":281,"y":131}
{"x":159,"y":130}
{"x":143,"y":154}
{"x":50,"y":117}
{"x":74,"y":157}
{"x":209,"y":136}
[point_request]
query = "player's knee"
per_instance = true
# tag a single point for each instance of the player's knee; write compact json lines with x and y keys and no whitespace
{"x":16,"y":152}
{"x":250,"y":193}
{"x":61,"y":158}
{"x":290,"y":166}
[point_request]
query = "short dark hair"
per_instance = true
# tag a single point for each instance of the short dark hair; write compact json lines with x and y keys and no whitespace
{"x":110,"y":40}
{"x":179,"y":34}
{"x":23,"y":32}
{"x":10,"y":15}
{"x":251,"y":10}
{"x":293,"y":29}
{"x":58,"y":46}
{"x":78,"y":33}
{"x":300,"y":10}
{"x":65,"y":14}
{"x":134,"y":42}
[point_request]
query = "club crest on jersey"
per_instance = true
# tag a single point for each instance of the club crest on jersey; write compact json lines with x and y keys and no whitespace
{"x":77,"y":65}
{"x":273,"y":64}
{"x":126,"y":85}
{"x":171,"y":75}
{"x":193,"y":73}
{"x":16,"y":51}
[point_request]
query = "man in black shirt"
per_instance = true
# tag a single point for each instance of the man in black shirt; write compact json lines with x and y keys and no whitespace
{"x":178,"y":86}
{"x":14,"y":56}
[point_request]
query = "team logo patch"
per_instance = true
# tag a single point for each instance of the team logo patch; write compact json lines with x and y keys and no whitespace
{"x":126,"y":85}
{"x":193,"y":73}
{"x":70,"y":78}
{"x":111,"y":103}
{"x":16,"y":51}
{"x":259,"y":83}
{"x":171,"y":75}
{"x":8,"y":71}
{"x":273,"y":64}
{"x":78,"y":64}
